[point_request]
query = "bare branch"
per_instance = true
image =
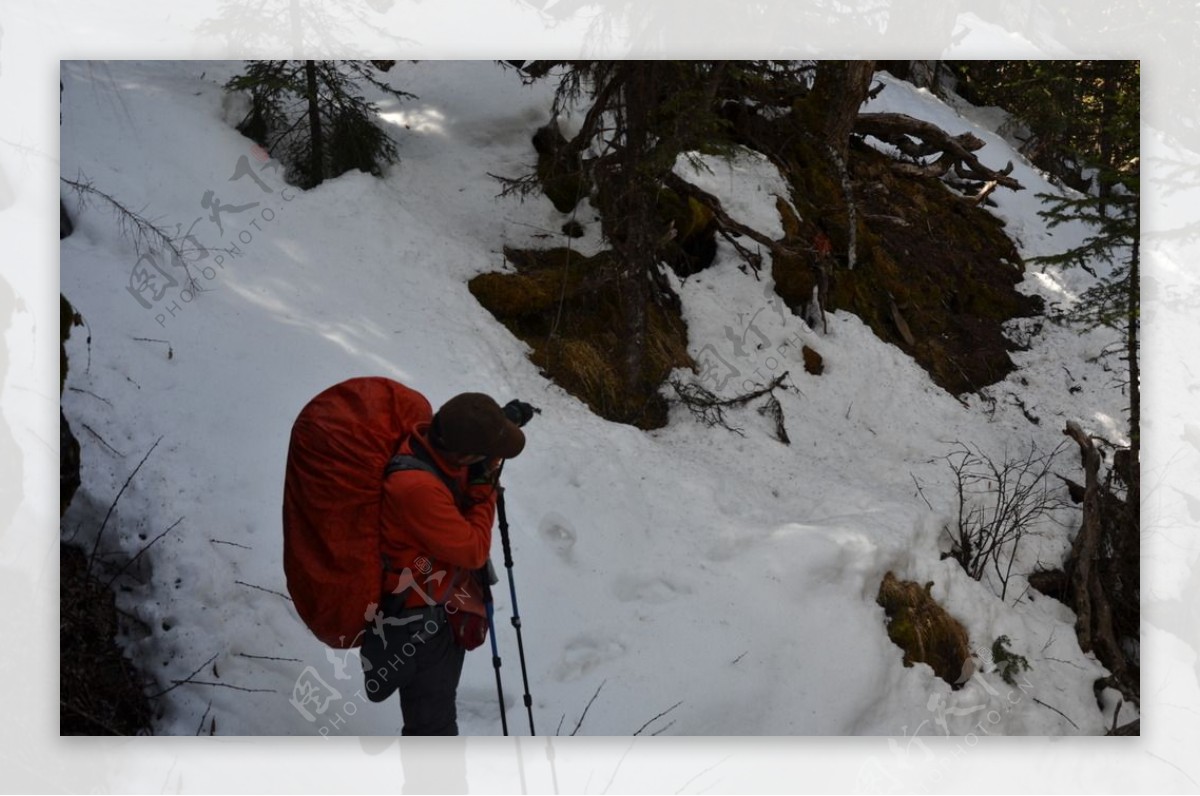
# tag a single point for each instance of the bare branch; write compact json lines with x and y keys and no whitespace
{"x":999,"y":500}
{"x":145,"y":547}
{"x":586,"y":708}
{"x":113,"y":505}
{"x":710,"y":409}
{"x":656,"y":718}
{"x":260,"y":588}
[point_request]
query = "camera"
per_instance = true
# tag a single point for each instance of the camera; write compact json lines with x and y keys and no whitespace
{"x":519,"y":412}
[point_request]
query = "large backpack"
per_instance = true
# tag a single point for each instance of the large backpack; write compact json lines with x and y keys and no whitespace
{"x":340,"y":447}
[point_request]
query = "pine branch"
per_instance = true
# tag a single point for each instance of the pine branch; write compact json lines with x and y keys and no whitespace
{"x":143,"y":232}
{"x":366,"y":72}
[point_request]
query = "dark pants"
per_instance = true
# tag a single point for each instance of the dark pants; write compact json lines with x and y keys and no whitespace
{"x":413,"y":651}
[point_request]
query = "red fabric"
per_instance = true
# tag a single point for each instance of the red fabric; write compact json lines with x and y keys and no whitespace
{"x":822,"y":244}
{"x":340,"y":444}
{"x":424,"y":530}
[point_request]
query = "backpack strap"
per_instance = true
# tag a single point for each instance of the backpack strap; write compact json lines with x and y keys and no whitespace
{"x":420,"y":460}
{"x":402,"y":462}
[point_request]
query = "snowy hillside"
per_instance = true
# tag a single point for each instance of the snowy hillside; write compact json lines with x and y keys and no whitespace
{"x":728,"y":573}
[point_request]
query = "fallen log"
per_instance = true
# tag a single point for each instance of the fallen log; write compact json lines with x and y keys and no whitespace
{"x":957,"y":152}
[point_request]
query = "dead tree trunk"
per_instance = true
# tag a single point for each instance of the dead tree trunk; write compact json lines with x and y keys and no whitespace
{"x":957,"y":152}
{"x":634,"y":239}
{"x":1087,"y":592}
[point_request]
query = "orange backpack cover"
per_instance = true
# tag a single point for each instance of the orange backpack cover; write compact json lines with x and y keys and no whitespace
{"x":340,"y":446}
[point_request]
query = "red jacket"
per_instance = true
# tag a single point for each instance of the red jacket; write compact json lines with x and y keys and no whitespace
{"x":430,"y":538}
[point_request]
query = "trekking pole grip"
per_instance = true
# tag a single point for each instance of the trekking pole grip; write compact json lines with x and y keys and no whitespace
{"x":505,"y":544}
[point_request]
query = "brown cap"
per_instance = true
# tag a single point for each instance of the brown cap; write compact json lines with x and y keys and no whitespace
{"x":471,"y":423}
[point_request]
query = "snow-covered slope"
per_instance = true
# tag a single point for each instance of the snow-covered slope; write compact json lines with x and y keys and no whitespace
{"x":729,"y":573}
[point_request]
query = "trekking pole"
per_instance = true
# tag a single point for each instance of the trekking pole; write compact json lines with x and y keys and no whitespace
{"x":516,"y":614}
{"x":487,"y":593}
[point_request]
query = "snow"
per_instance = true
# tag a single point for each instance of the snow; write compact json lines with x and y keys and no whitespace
{"x":726,"y":572}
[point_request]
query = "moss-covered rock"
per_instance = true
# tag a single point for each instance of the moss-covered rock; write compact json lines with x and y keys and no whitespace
{"x":933,"y":274}
{"x":568,"y":309}
{"x":814,"y":363}
{"x":923,"y":629}
{"x":694,"y":245}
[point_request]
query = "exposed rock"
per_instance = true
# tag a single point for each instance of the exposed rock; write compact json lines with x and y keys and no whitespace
{"x":814,"y":363}
{"x":68,"y":464}
{"x":65,"y":227}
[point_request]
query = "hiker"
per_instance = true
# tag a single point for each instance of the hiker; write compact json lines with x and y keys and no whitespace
{"x":436,"y":517}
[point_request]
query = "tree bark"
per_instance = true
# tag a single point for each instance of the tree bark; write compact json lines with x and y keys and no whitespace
{"x":1087,"y":542}
{"x":838,"y":92}
{"x":638,"y":244}
{"x":1135,"y":377}
{"x":317,"y":141}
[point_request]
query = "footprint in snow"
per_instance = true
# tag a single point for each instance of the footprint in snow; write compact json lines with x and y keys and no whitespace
{"x":656,"y":590}
{"x":556,"y":532}
{"x":481,"y":704}
{"x":584,"y":654}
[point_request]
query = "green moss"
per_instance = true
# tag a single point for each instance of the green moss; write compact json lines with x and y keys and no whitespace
{"x":688,"y":216}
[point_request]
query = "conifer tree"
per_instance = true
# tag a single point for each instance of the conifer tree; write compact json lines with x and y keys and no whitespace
{"x":311,"y":116}
{"x":641,"y":116}
{"x":1103,"y":139}
{"x":1104,"y":562}
{"x":1083,"y":119}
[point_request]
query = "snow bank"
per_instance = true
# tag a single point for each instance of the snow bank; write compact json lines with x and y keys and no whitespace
{"x":726,"y":572}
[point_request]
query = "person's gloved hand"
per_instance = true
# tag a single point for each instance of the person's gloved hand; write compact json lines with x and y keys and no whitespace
{"x":485,"y":472}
